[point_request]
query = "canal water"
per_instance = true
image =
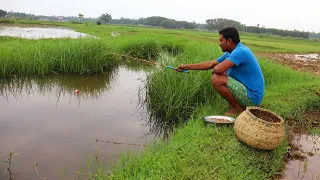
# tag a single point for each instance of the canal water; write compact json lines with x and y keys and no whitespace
{"x":46,"y":121}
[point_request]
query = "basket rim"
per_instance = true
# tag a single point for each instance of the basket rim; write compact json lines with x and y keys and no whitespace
{"x":262,"y":120}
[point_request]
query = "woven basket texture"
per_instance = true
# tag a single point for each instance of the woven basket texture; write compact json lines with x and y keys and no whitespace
{"x":259,"y":128}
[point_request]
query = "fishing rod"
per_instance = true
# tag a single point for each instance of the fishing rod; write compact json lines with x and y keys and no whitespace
{"x":143,"y":60}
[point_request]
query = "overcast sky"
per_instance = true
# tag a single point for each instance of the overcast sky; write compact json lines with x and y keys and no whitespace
{"x":282,"y":14}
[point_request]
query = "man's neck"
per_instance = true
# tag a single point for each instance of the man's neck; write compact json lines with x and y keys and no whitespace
{"x":232,"y":48}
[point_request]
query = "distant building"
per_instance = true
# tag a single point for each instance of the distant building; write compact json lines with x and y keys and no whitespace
{"x":60,"y":18}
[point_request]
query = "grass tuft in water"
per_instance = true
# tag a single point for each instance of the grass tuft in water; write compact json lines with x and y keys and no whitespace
{"x":145,"y":48}
{"x":24,"y":57}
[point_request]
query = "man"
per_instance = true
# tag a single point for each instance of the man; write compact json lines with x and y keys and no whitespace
{"x":236,"y":75}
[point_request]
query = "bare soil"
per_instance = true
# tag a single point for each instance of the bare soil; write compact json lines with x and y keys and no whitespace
{"x":301,"y":62}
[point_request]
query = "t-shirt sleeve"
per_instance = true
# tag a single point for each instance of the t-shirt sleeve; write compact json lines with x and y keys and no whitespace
{"x":222,"y":58}
{"x":238,"y":56}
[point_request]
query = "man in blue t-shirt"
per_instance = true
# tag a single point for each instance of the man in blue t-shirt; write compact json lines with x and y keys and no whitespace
{"x":236,"y":75}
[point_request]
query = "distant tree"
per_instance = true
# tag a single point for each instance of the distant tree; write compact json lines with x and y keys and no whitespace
{"x":80,"y":16}
{"x":3,"y":13}
{"x":98,"y":23}
{"x":314,"y":35}
{"x":105,"y":18}
{"x":220,"y":23}
{"x":128,"y":21}
{"x":188,"y":25}
{"x":170,"y":23}
{"x":154,"y":20}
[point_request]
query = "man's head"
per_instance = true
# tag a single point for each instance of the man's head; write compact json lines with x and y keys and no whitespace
{"x":228,"y":39}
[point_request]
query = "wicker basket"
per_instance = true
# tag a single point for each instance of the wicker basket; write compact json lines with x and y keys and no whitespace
{"x":259,"y":128}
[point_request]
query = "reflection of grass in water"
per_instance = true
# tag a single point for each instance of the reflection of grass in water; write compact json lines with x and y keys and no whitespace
{"x":135,"y":65}
{"x":89,"y":86}
{"x":8,"y":161}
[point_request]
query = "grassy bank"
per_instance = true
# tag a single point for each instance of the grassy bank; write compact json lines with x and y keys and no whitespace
{"x":194,"y":150}
{"x":173,"y":97}
{"x":200,"y":151}
{"x":26,"y":57}
{"x":197,"y":151}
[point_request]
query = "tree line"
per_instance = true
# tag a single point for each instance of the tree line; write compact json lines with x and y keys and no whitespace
{"x":158,"y":21}
{"x":220,"y":23}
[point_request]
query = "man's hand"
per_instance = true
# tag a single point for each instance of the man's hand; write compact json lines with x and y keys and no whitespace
{"x":199,"y":66}
{"x":181,"y":68}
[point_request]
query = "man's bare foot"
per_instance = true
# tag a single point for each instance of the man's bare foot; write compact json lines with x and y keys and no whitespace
{"x":234,"y":111}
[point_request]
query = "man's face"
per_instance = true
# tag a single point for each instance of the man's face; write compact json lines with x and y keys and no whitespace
{"x":224,"y":44}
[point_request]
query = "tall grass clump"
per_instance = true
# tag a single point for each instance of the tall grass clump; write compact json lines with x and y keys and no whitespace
{"x":144,"y":48}
{"x":53,"y":55}
{"x":171,"y":97}
{"x":6,"y":21}
{"x":173,"y":47}
{"x":4,"y":39}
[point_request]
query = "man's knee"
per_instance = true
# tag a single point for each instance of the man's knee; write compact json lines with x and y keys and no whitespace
{"x":218,"y":79}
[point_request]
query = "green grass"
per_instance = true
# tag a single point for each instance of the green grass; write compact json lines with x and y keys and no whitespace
{"x":200,"y":151}
{"x":26,"y":57}
{"x":146,"y":48}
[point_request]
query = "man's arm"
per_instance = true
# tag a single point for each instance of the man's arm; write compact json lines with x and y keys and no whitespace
{"x":199,"y":66}
{"x":223,"y":67}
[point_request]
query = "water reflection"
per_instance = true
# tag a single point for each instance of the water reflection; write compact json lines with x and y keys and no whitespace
{"x":91,"y":86}
{"x":307,"y":164}
{"x":38,"y":33}
{"x":44,"y":120}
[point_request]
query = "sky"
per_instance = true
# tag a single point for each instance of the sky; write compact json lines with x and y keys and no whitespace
{"x":281,"y":14}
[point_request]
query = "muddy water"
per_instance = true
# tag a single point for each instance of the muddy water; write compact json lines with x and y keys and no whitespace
{"x":306,"y":57}
{"x":38,"y":33}
{"x":44,"y":120}
{"x":309,"y":166}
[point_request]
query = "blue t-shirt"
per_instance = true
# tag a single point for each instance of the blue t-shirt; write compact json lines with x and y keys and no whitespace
{"x":246,"y":70}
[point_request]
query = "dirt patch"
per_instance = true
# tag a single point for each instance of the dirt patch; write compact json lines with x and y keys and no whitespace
{"x":202,"y":38}
{"x":131,"y":32}
{"x":300,"y":62}
{"x":260,"y":46}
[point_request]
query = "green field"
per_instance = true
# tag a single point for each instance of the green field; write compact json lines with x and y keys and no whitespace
{"x":177,"y":101}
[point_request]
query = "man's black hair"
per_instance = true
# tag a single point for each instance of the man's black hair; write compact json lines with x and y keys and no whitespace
{"x":232,"y":33}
